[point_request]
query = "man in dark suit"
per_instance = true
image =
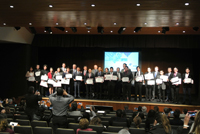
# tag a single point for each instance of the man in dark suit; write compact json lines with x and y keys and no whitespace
{"x":89,"y":75}
{"x":73,"y":71}
{"x":175,"y":88}
{"x":119,"y":118}
{"x":105,"y":84}
{"x":118,"y":86}
{"x":64,"y":77}
{"x":111,"y":85}
{"x":155,"y":87}
{"x":138,"y":83}
{"x":98,"y":86}
{"x":32,"y":102}
{"x":148,"y":87}
{"x":127,"y":84}
{"x":44,"y":72}
{"x":95,"y":69}
{"x":187,"y":86}
{"x":77,"y":83}
{"x":168,"y":84}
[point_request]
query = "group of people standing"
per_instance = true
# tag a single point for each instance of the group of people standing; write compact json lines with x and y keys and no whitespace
{"x":110,"y":85}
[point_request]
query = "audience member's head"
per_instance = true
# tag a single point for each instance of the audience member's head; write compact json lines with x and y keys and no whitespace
{"x":31,"y":90}
{"x":177,"y":113}
{"x":185,"y":111}
{"x":7,"y":109}
{"x":86,"y":115}
{"x":126,"y":107}
{"x":83,"y":123}
{"x":60,"y":92}
{"x":166,"y":111}
{"x":141,"y":115}
{"x":95,"y":121}
{"x":123,"y":131}
{"x":156,"y":109}
{"x":10,"y":101}
{"x":166,"y":123}
{"x":74,"y":106}
{"x":137,"y":120}
{"x":144,"y":109}
{"x":139,"y":109}
{"x":151,"y":113}
{"x":170,"y":109}
{"x":119,"y":113}
{"x":196,"y":128}
{"x":3,"y":123}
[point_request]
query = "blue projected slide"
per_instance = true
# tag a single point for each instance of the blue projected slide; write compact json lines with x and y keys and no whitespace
{"x":116,"y":59}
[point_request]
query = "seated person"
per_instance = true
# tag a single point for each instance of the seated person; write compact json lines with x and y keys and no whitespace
{"x":167,"y":112}
{"x":176,"y":120}
{"x":127,"y":110}
{"x":158,"y":115}
{"x":150,"y":119}
{"x":4,"y":126}
{"x":96,"y":121}
{"x":144,"y":110}
{"x":84,"y":123}
{"x":124,"y":131}
{"x":8,"y":113}
{"x":119,"y":118}
{"x":137,"y":121}
{"x":184,"y":112}
{"x":141,"y":114}
{"x":74,"y":110}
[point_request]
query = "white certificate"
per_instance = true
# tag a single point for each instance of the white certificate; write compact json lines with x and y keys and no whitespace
{"x":114,"y":77}
{"x":139,"y":78}
{"x":164,"y":78}
{"x":148,"y":76}
{"x":159,"y":81}
{"x":31,"y":74}
{"x":50,"y":81}
{"x":175,"y":79}
{"x":108,"y":77}
{"x":89,"y":81}
{"x":31,"y":78}
{"x":178,"y":82}
{"x":37,"y":73}
{"x":68,"y":76}
{"x":99,"y":79}
{"x":44,"y":84}
{"x":79,"y":78}
{"x":125,"y":79}
{"x":58,"y":77}
{"x":57,"y":84}
{"x":188,"y":80}
{"x":151,"y":82}
{"x":44,"y":77}
{"x":65,"y":81}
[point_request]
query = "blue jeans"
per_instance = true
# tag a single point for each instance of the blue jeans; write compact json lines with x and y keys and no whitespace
{"x":77,"y":84}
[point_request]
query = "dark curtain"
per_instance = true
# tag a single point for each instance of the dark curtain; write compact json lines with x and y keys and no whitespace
{"x":122,"y":41}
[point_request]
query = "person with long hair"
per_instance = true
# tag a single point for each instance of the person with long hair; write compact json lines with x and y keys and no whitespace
{"x":4,"y":125}
{"x":29,"y":76}
{"x":50,"y":74}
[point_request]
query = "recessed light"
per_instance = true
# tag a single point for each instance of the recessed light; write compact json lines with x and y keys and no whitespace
{"x":30,"y":23}
{"x":92,"y":5}
{"x":45,"y":31}
{"x":85,"y":23}
{"x":11,"y":6}
{"x":66,"y":31}
{"x":183,"y":31}
{"x":138,"y":4}
{"x":187,"y":4}
{"x":4,"y":24}
{"x":145,"y":23}
{"x":111,"y":31}
{"x":56,"y":23}
{"x":134,"y":31}
{"x":88,"y":31}
{"x":50,"y":32}
{"x":177,"y":23}
{"x":50,"y":6}
{"x":158,"y":31}
{"x":114,"y":23}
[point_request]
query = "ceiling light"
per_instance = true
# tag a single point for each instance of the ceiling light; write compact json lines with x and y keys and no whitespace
{"x":85,"y":23}
{"x":45,"y":31}
{"x":50,"y":32}
{"x":138,"y":4}
{"x":111,"y":31}
{"x":115,"y":23}
{"x":100,"y":30}
{"x":56,"y":23}
{"x":158,"y":31}
{"x":88,"y":31}
{"x":134,"y":31}
{"x":187,"y":4}
{"x":177,"y":23}
{"x":66,"y":31}
{"x":74,"y":29}
{"x":11,"y":6}
{"x":145,"y":23}
{"x":183,"y":31}
{"x":121,"y":30}
{"x":137,"y":29}
{"x":50,"y":6}
{"x":30,"y":23}
{"x":92,"y":5}
{"x":4,"y":24}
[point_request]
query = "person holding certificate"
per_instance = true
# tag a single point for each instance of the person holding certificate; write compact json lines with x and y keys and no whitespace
{"x":161,"y":86}
{"x":37,"y":73}
{"x":57,"y":77}
{"x":98,"y":84}
{"x":30,"y":77}
{"x":78,"y":77}
{"x":168,"y":84}
{"x":127,"y":77}
{"x":155,"y":87}
{"x":111,"y":85}
{"x":175,"y":87}
{"x":50,"y":74}
{"x":65,"y":86}
{"x":44,"y":72}
{"x":149,"y":83}
{"x":118,"y":86}
{"x":63,"y":69}
{"x":138,"y":76}
{"x":95,"y":70}
{"x":73,"y":71}
{"x":89,"y":82}
{"x":105,"y":84}
{"x":187,"y":84}
{"x":84,"y":75}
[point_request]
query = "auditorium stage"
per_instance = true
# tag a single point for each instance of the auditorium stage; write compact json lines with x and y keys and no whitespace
{"x":132,"y":104}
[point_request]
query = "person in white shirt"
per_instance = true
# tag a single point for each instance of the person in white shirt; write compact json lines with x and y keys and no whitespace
{"x":63,"y":68}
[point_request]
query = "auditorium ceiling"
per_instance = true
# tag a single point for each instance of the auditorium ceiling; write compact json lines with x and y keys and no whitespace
{"x":87,"y":15}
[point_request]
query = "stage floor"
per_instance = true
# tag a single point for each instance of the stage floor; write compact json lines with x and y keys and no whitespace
{"x":132,"y":104}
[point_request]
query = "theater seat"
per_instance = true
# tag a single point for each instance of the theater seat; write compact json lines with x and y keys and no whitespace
{"x":74,"y":126}
{"x":105,"y":118}
{"x":43,"y":130}
{"x":87,"y":132}
{"x":4,"y":133}
{"x":23,"y":129}
{"x":24,"y":117}
{"x":122,"y":124}
{"x":109,"y":133}
{"x":65,"y":131}
{"x":39,"y":124}
{"x":137,"y":130}
{"x":114,"y":128}
{"x":23,"y":122}
{"x":98,"y":129}
{"x":9,"y":120}
{"x":105,"y":123}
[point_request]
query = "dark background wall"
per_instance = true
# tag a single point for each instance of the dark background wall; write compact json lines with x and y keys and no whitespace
{"x":17,"y":58}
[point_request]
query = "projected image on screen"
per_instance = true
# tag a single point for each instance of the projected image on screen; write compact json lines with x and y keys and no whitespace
{"x":116,"y":59}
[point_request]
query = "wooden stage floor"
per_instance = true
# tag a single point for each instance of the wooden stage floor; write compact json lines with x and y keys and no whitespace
{"x":132,"y":104}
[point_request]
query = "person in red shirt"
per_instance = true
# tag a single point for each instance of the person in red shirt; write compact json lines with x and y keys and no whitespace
{"x":50,"y":75}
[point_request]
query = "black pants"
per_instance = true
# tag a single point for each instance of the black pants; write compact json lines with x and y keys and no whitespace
{"x":155,"y":87}
{"x":98,"y":90}
{"x":185,"y":90}
{"x":138,"y":89}
{"x":37,"y":86}
{"x":118,"y":90}
{"x":89,"y":90}
{"x":161,"y":92}
{"x":175,"y":93}
{"x":43,"y":90}
{"x":148,"y":92}
{"x":126,"y":90}
{"x":168,"y":90}
{"x":111,"y":87}
{"x":59,"y":122}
